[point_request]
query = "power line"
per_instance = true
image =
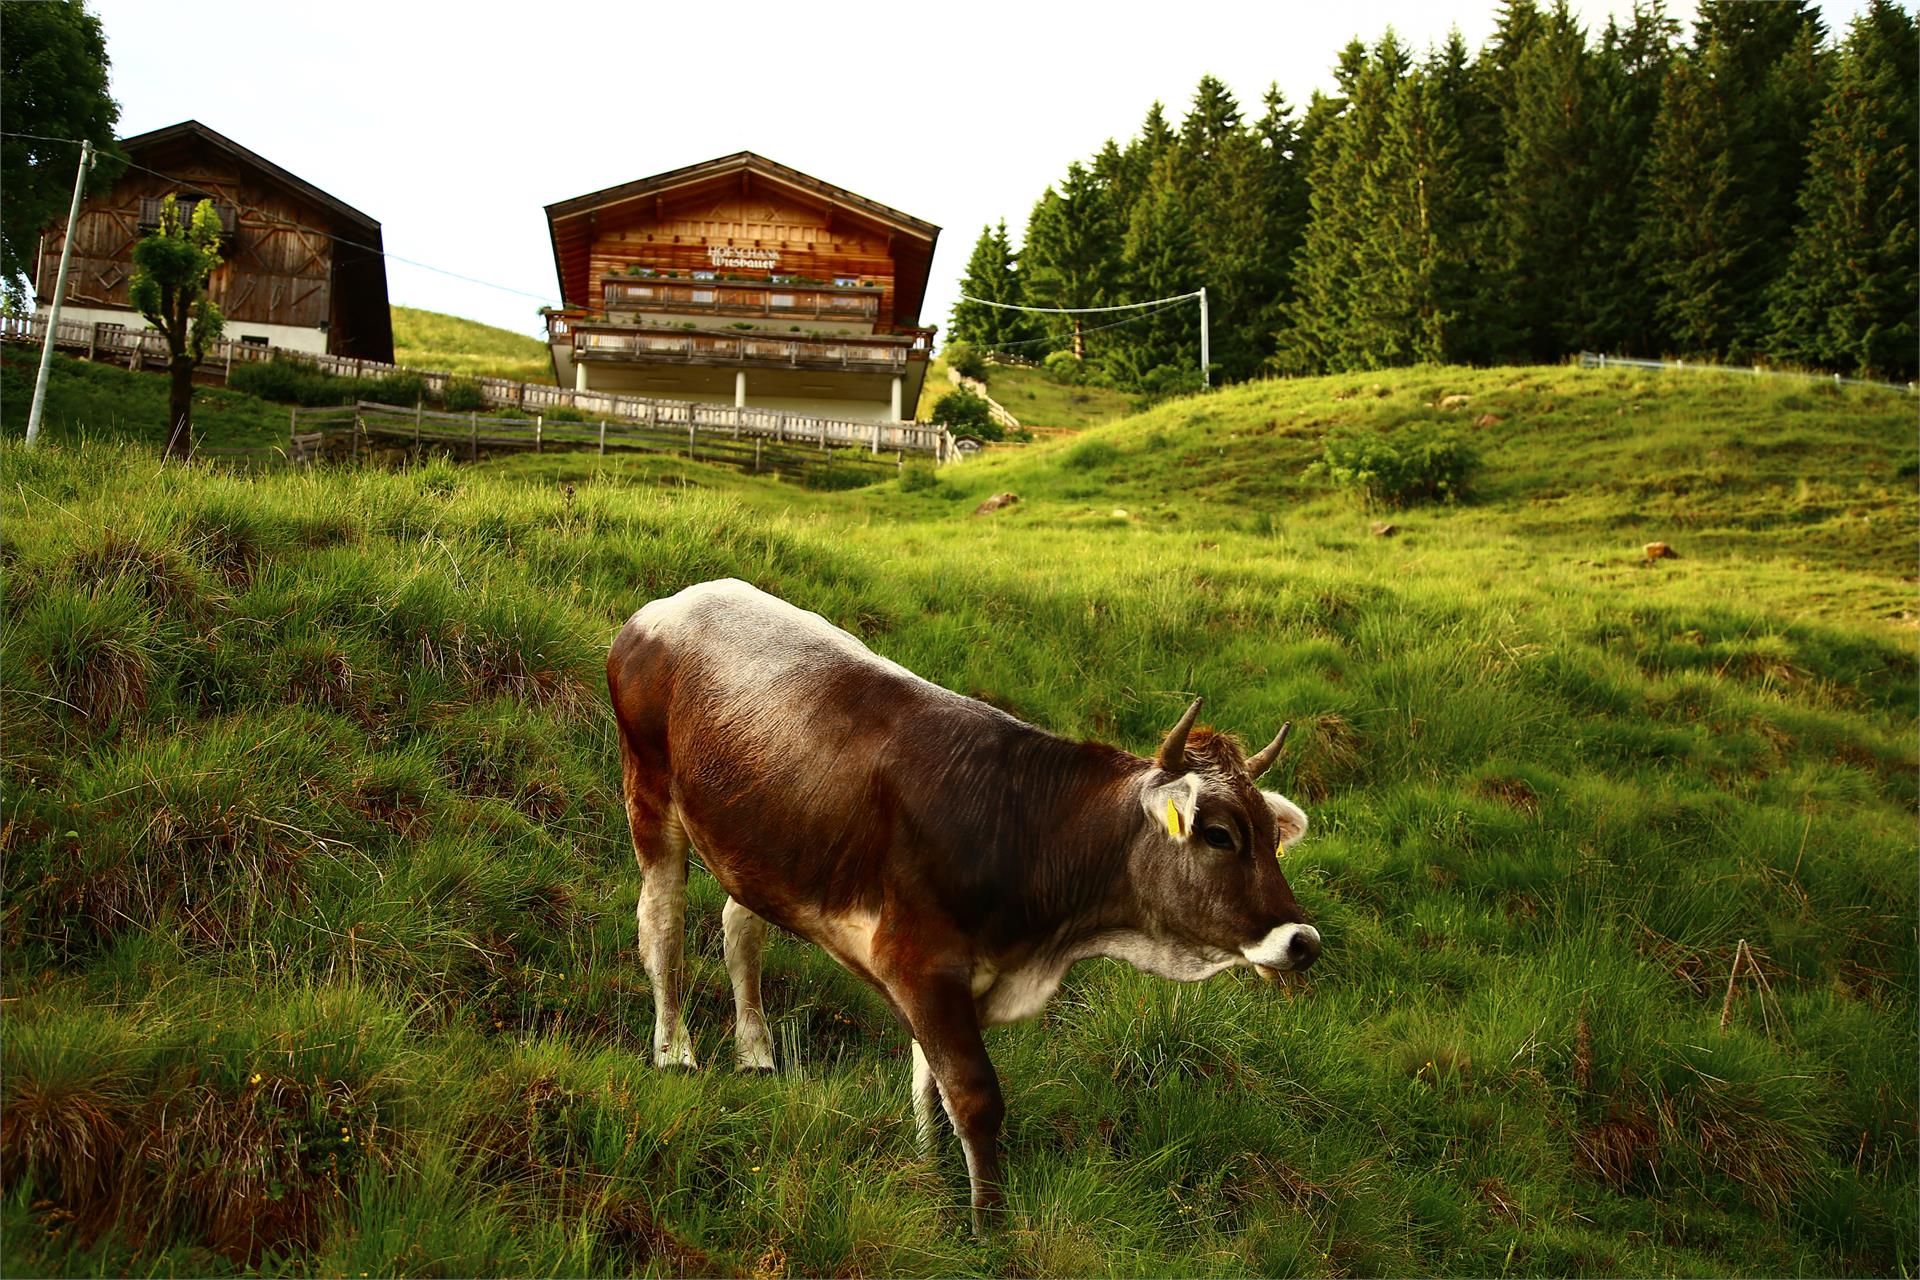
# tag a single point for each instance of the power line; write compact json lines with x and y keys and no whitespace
{"x":261,"y":215}
{"x":1062,"y":311}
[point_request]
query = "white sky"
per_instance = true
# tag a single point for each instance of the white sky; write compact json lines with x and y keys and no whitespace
{"x":455,"y":124}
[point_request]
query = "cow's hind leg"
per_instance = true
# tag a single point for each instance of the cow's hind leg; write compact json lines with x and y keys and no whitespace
{"x":926,"y":1102}
{"x":660,"y":846}
{"x":746,"y":940}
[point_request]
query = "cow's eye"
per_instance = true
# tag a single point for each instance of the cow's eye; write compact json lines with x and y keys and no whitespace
{"x":1218,"y":837}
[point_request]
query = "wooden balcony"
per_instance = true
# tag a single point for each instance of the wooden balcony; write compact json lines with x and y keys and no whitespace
{"x":881,"y":353}
{"x":736,"y":298}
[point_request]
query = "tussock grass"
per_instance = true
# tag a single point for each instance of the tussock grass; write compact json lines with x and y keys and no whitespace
{"x":311,"y":832}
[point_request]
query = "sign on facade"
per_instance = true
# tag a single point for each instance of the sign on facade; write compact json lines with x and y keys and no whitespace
{"x":729,"y":256}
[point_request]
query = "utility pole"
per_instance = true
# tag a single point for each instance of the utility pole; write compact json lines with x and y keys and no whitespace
{"x":59,"y":295}
{"x":1206,"y":374}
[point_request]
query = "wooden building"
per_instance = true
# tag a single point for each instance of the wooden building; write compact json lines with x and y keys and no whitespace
{"x":301,"y":269}
{"x":741,"y":281}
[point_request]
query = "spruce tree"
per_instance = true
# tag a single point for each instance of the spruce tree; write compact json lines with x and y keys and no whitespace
{"x":1415,"y":307}
{"x":1847,"y":298}
{"x":1548,"y":184}
{"x":992,"y":276}
{"x":1320,"y":328}
{"x":1630,"y":65}
{"x":1161,"y":257}
{"x":1072,"y":252}
{"x":1724,"y":172}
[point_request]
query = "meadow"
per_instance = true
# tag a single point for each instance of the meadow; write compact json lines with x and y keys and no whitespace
{"x":318,"y":898}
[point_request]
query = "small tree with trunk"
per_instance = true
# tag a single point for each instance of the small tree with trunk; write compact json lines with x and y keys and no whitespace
{"x":169,"y":288}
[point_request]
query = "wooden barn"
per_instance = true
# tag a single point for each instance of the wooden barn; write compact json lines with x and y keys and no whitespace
{"x":741,"y":281}
{"x":302,"y":269}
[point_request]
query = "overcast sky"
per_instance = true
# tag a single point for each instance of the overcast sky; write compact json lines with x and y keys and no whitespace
{"x":455,"y":124}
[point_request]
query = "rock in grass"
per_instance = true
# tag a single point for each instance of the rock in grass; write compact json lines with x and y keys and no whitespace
{"x":1454,"y":401}
{"x":1383,"y":529}
{"x":1659,"y":551}
{"x":1487,"y":420}
{"x":996,"y":502}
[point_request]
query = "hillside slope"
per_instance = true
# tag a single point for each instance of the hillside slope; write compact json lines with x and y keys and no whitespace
{"x":318,"y":900}
{"x":430,"y":340}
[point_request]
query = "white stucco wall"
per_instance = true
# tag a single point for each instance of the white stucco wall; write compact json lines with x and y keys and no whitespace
{"x":312,"y":341}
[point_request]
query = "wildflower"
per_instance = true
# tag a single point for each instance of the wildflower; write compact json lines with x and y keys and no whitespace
{"x":254,"y":1078}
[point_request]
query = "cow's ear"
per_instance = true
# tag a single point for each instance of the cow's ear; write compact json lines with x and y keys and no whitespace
{"x":1172,"y":803}
{"x":1287,"y":816}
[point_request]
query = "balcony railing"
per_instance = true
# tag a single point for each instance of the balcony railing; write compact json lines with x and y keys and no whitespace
{"x":722,"y":348}
{"x":731,"y":298}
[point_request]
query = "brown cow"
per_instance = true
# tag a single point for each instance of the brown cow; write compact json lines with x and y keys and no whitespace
{"x":957,"y":859}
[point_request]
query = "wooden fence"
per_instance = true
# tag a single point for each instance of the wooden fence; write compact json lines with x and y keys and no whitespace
{"x":146,"y":348}
{"x":368,"y":431}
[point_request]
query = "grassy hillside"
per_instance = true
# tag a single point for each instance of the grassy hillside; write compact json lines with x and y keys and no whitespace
{"x":101,"y":403}
{"x":1030,"y":397}
{"x":319,"y":906}
{"x":429,"y":340}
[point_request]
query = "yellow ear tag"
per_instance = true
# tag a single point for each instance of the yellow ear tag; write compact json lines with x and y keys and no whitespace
{"x":1173,"y":818}
{"x":1279,"y":850}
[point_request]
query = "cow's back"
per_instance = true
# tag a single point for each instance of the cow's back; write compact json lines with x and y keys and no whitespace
{"x":781,"y":737}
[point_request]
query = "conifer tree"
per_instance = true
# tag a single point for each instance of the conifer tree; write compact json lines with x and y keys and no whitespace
{"x":1724,"y":172}
{"x":1320,"y":326}
{"x":1161,"y":258}
{"x":1072,"y":252}
{"x":1548,"y":184}
{"x":1417,"y":307}
{"x":991,"y":276}
{"x":1847,"y":298}
{"x":1630,"y":65}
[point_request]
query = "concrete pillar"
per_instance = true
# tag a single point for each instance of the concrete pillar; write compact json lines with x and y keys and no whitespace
{"x":579,"y":375}
{"x":896,"y":397}
{"x":739,"y":388}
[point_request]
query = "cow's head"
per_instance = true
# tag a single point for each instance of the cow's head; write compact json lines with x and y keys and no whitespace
{"x":1208,"y":863}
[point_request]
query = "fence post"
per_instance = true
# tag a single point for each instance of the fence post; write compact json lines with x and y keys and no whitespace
{"x":539,"y":423}
{"x":876,"y":439}
{"x":690,"y":431}
{"x":293,"y":425}
{"x":603,"y":437}
{"x":473,"y":435}
{"x":757,"y":442}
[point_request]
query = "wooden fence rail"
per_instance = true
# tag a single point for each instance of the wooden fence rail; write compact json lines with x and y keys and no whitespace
{"x":366,"y":430}
{"x":139,"y":348}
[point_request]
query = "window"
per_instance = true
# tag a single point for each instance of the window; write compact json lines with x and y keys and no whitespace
{"x":704,"y":275}
{"x":254,"y":339}
{"x":703,"y":295}
{"x":846,"y":281}
{"x":780,"y":300}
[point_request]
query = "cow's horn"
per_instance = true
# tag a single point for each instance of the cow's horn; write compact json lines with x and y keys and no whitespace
{"x":1173,"y":752}
{"x":1262,"y":761}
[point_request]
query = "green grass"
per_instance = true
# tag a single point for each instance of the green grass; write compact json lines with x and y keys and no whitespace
{"x":1032,"y":398}
{"x":100,"y":402}
{"x":435,"y":342}
{"x":318,"y":904}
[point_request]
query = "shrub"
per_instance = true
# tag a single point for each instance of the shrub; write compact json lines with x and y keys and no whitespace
{"x":1417,"y":463}
{"x":1090,"y":455}
{"x":1065,"y":368}
{"x":918,"y":479}
{"x":966,"y":414}
{"x":464,"y":395}
{"x":966,"y":361}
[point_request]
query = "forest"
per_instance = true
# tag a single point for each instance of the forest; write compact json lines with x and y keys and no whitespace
{"x":1746,"y":196}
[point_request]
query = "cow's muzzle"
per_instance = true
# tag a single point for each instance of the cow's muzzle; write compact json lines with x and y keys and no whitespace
{"x":1289,"y":948}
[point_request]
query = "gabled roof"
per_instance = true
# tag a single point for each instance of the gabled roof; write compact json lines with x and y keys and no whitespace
{"x":193,"y":129}
{"x":727,"y":166}
{"x":569,"y":221}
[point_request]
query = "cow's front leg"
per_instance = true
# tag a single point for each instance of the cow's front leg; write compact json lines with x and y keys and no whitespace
{"x":947,"y":1031}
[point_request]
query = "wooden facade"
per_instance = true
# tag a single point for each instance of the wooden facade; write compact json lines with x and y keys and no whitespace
{"x":800,"y":274}
{"x":301,"y":267}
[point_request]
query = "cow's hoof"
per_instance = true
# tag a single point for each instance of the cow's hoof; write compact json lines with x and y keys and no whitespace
{"x":756,"y":1068}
